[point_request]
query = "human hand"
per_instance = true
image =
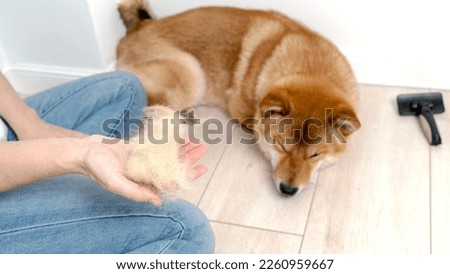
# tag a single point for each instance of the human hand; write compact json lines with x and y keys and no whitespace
{"x":190,"y":153}
{"x":104,"y":164}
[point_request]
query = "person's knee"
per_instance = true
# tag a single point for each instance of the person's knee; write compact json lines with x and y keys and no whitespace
{"x":135,"y":85}
{"x":128,"y":99}
{"x":197,"y":235}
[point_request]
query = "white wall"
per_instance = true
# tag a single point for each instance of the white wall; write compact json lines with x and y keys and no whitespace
{"x":41,"y":32}
{"x":403,"y":43}
{"x":108,"y":28}
{"x":48,"y":42}
{"x":3,"y":61}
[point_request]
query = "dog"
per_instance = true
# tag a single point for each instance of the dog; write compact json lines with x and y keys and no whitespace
{"x":287,"y":83}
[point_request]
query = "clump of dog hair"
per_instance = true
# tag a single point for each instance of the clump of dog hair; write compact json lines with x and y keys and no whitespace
{"x":154,"y":156}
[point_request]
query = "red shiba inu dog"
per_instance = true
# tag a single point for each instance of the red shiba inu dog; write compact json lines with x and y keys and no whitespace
{"x":290,"y":85}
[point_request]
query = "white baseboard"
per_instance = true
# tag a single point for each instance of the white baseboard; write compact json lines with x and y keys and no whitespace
{"x":30,"y":79}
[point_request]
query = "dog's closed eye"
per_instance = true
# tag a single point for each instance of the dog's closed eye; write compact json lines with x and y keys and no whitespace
{"x":280,"y":144}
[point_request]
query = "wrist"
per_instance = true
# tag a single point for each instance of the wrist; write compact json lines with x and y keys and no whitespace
{"x":78,"y":149}
{"x":88,"y":147}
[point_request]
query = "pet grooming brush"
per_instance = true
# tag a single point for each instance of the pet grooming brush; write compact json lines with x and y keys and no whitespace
{"x":423,"y":105}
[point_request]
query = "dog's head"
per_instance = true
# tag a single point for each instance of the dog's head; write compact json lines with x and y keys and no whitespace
{"x":302,"y":124}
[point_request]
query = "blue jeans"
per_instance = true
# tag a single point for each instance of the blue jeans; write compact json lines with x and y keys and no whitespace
{"x":71,"y":213}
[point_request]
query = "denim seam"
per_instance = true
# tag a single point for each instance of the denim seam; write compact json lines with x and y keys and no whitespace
{"x":163,"y":250}
{"x":179,"y":236}
{"x":82,"y":220}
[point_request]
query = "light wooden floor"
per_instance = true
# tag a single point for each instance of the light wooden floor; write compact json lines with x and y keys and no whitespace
{"x":390,"y":193}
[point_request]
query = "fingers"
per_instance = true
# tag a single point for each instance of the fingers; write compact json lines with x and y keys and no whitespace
{"x":191,"y":153}
{"x":135,"y":192}
{"x":147,"y":196}
{"x":187,"y":146}
{"x":196,"y":172}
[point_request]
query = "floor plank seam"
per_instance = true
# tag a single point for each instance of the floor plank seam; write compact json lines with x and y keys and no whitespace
{"x":257,"y":228}
{"x":309,"y":211}
{"x":212,"y":176}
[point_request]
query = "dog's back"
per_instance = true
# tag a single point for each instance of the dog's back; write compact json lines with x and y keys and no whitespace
{"x":231,"y":45}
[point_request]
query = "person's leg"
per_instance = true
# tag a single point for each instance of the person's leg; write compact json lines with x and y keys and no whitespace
{"x":71,"y":214}
{"x":97,"y":104}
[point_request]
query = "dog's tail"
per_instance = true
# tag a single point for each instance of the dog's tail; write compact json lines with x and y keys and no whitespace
{"x":132,"y":12}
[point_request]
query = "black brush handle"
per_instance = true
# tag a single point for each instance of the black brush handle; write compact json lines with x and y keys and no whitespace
{"x":432,"y":131}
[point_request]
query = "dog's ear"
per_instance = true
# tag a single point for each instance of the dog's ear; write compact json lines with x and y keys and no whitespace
{"x":343,"y":118}
{"x":275,"y":103}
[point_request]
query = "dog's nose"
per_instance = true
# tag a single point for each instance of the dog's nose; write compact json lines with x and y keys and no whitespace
{"x":285,"y":189}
